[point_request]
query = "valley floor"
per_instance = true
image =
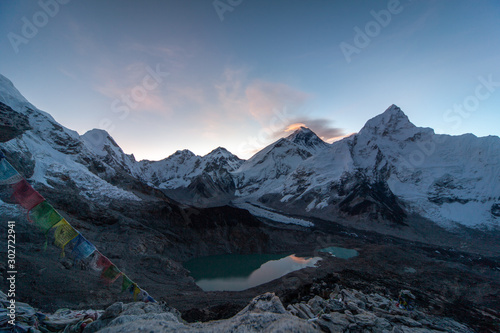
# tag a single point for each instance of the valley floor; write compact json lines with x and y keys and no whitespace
{"x":446,"y":282}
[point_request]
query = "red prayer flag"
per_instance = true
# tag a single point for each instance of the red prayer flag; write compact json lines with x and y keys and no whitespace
{"x":99,"y":262}
{"x":25,"y":195}
{"x":103,"y":262}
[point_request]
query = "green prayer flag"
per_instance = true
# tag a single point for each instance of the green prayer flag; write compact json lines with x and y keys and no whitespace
{"x":110,"y":274}
{"x":126,"y":283}
{"x":45,"y":216}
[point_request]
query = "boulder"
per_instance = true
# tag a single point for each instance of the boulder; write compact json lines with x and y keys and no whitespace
{"x":113,"y":310}
{"x":334,"y":322}
{"x":307,"y":310}
{"x":318,"y":305}
{"x":365,"y":319}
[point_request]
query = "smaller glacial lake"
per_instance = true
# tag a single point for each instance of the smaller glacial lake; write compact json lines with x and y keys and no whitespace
{"x":236,"y":272}
{"x":340,"y":252}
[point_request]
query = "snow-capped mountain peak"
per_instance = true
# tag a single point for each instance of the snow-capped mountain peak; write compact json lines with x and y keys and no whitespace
{"x":103,"y":145}
{"x":97,"y":140}
{"x":10,"y":96}
{"x":220,"y":152}
{"x":303,"y":135}
{"x":52,"y":155}
{"x":307,"y":139}
{"x":392,"y":121}
{"x":223,"y":158}
{"x":38,"y":119}
{"x":302,"y":132}
{"x":184,"y":153}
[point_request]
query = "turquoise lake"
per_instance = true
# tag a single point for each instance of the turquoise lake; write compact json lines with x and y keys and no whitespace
{"x":236,"y":272}
{"x":340,"y":252}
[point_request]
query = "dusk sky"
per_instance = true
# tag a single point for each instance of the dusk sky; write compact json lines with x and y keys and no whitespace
{"x":167,"y":75}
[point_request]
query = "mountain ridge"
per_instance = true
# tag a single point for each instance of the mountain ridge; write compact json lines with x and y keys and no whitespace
{"x":393,"y":167}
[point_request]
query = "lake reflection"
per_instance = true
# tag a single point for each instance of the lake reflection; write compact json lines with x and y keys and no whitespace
{"x":231,"y":273}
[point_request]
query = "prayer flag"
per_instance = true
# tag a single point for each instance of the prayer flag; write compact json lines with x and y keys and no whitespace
{"x":63,"y":234}
{"x":8,"y":175}
{"x":99,"y":262}
{"x":45,"y":216}
{"x":145,"y":297}
{"x":136,"y":291}
{"x":126,"y":283}
{"x":26,"y":195}
{"x":82,"y":248}
{"x":110,"y":274}
{"x":103,"y":262}
{"x":150,"y":299}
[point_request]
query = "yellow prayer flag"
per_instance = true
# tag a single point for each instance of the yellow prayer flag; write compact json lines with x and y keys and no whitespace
{"x":137,"y":290}
{"x":63,"y":234}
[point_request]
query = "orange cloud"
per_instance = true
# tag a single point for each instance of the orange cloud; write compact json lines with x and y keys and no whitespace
{"x":321,"y":126}
{"x":294,"y":127}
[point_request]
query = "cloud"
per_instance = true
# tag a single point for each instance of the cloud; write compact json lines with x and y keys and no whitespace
{"x":293,"y":127}
{"x":321,"y":126}
{"x":275,"y":107}
{"x":265,"y":98}
{"x":174,"y":56}
{"x":231,"y":99}
{"x":116,"y":74}
{"x":243,"y":99}
{"x":127,"y":84}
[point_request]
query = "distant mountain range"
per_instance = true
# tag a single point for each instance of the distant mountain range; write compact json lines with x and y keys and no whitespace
{"x":388,"y":172}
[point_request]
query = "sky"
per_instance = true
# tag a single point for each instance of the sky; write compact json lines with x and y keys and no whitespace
{"x":162,"y":76}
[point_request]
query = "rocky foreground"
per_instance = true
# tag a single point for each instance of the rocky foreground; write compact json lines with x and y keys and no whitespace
{"x":343,"y":310}
{"x":346,"y":310}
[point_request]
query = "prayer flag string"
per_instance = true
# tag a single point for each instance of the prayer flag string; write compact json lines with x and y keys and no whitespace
{"x":46,"y":218}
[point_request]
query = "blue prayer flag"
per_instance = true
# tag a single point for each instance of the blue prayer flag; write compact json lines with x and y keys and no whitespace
{"x":82,"y":248}
{"x":8,"y":175}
